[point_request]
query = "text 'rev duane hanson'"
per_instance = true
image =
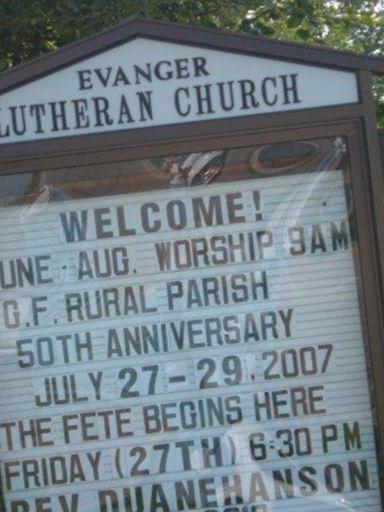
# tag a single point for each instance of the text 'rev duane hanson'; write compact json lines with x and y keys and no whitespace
{"x":191,"y":349}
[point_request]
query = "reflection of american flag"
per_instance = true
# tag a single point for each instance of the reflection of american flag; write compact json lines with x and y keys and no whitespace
{"x":332,"y":157}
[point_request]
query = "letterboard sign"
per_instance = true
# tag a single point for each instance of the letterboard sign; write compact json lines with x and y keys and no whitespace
{"x":185,"y":332}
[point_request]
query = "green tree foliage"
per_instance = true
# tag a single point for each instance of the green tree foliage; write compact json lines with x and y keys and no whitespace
{"x":29,"y":28}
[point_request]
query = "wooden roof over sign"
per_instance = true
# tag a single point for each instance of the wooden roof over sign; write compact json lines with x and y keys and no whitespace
{"x":182,"y":34}
{"x":143,"y":74}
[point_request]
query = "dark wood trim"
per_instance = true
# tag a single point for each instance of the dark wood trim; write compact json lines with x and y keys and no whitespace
{"x":297,"y":130}
{"x":372,"y":166}
{"x":246,"y":43}
{"x":185,"y":34}
{"x":368,"y":280}
{"x":91,"y":147}
{"x":367,"y":157}
{"x":381,"y":144}
{"x":174,"y":146}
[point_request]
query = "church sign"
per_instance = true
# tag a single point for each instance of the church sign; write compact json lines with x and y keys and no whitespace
{"x":190,"y":277}
{"x":146,"y":83}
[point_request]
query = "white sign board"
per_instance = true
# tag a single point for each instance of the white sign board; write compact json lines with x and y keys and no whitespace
{"x":146,"y":83}
{"x":189,"y":349}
